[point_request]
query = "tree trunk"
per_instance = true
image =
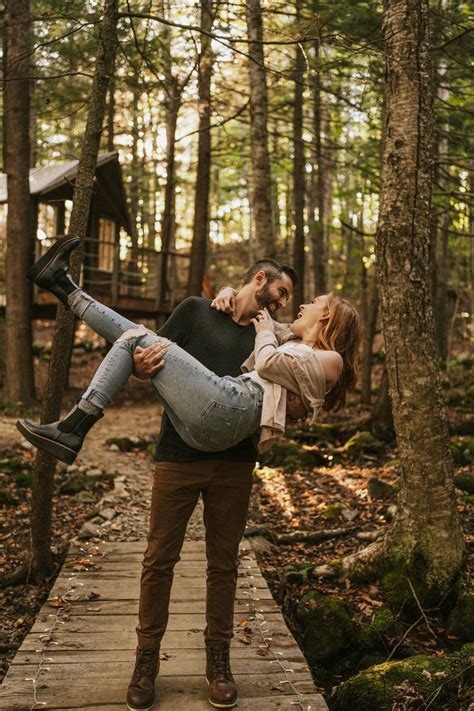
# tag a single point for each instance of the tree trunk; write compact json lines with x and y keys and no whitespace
{"x":317,"y":224}
{"x":41,"y":559}
{"x":203,"y":176}
{"x":19,"y":385}
{"x":426,"y":539}
{"x":172,"y":105}
{"x":298,"y":173}
{"x":367,"y":345}
{"x":262,"y":184}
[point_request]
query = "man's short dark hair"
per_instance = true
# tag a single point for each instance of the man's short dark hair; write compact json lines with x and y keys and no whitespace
{"x":273,"y":270}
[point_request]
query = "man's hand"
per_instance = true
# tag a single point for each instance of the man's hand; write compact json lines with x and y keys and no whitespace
{"x":263,"y":322}
{"x":294,"y":407}
{"x":225,"y":300}
{"x":148,"y":361}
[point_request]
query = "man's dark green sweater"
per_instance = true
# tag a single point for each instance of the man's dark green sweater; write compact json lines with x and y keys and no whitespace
{"x":222,"y":346}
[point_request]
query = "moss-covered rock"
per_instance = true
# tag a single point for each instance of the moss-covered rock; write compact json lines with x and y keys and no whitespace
{"x":298,"y":574}
{"x":291,"y":456}
{"x":332,"y":512}
{"x":468,"y":499}
{"x":325,"y":432}
{"x":431,"y":680}
{"x":463,"y":450}
{"x":76,"y":483}
{"x":461,"y":619}
{"x":363,"y":441}
{"x":384,"y":622}
{"x":379,"y":490}
{"x":465,"y":482}
{"x":328,"y":628}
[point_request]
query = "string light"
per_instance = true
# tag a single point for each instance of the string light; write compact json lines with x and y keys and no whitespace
{"x":48,"y":640}
{"x":259,"y":617}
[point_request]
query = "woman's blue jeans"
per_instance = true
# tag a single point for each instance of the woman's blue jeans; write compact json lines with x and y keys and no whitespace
{"x":209,"y":412}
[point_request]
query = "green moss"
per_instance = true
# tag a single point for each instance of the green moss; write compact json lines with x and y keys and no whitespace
{"x":325,"y":431}
{"x":361,"y":442}
{"x":125,"y":444}
{"x":375,"y":689}
{"x":461,"y":620}
{"x":465,"y":482}
{"x":299,"y":574}
{"x":463,"y":450}
{"x":468,"y":499}
{"x":384,"y":621}
{"x":289,"y":455}
{"x":332,"y":512}
{"x":328,"y":627}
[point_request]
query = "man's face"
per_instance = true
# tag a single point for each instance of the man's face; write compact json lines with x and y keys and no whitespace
{"x":275,"y":294}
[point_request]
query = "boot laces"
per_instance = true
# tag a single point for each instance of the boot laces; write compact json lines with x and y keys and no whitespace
{"x":220,"y":658}
{"x":145,"y":662}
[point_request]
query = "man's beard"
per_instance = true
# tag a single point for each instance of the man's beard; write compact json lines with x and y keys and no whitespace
{"x":265,"y":300}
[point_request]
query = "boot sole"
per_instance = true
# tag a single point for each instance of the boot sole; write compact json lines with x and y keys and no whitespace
{"x":60,"y":451}
{"x":35,"y":272}
{"x":221,"y":706}
{"x":140,"y":708}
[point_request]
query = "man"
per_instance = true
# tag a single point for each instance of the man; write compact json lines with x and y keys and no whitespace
{"x":221,"y":342}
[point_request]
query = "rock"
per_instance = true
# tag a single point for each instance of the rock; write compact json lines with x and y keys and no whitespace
{"x":75,"y":483}
{"x":291,"y":456}
{"x":89,"y":530}
{"x":298,"y":574}
{"x":379,"y":490}
{"x":363,"y":441}
{"x":328,"y":628}
{"x":124,"y":444}
{"x":94,"y":472}
{"x":419,"y":678}
{"x":462,"y":449}
{"x":465,"y":482}
{"x":251,"y":531}
{"x":325,"y":431}
{"x":261,"y":545}
{"x":257,"y":516}
{"x":27,"y":445}
{"x":71,"y":468}
{"x":332,"y":512}
{"x":461,"y":620}
{"x":390,"y":512}
{"x":107,"y":513}
{"x":84,"y":497}
{"x":348,"y":514}
{"x":6,"y":499}
{"x":114,"y":448}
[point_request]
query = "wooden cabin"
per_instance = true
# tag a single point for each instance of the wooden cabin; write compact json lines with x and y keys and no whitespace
{"x":119,"y":273}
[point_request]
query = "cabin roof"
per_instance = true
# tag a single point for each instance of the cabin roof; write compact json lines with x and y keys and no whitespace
{"x":55,"y":182}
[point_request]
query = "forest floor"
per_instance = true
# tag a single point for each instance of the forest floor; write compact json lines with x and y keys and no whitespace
{"x":303,"y":488}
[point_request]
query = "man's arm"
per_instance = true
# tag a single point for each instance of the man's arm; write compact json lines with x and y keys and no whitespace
{"x":148,"y":361}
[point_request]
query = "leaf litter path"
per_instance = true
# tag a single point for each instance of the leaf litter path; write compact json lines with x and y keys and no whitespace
{"x":80,"y":652}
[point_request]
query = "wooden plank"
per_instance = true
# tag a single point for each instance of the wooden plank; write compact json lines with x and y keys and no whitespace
{"x":310,"y":702}
{"x":171,"y":665}
{"x":79,"y":692}
{"x":129,"y":590}
{"x":130,"y":607}
{"x":92,"y":623}
{"x":80,"y":656}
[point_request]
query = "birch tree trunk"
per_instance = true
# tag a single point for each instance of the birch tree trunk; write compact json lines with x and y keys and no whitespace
{"x":19,"y":386}
{"x":203,"y":177}
{"x":420,"y":558}
{"x":426,"y":535}
{"x":262,"y":184}
{"x":41,"y":558}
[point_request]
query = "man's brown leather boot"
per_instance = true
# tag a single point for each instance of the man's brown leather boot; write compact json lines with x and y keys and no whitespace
{"x":141,"y":690}
{"x":222,"y":690}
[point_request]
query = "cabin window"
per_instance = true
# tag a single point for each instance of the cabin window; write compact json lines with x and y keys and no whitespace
{"x":107,"y":230}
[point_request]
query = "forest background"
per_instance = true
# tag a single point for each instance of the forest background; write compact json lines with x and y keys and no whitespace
{"x":256,"y":129}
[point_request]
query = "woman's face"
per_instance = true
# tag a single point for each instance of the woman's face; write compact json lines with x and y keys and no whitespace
{"x":310,"y":315}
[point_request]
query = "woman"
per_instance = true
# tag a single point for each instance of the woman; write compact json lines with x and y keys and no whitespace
{"x":314,"y":358}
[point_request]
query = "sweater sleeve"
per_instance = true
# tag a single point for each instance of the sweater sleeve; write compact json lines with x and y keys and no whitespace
{"x":272,"y":364}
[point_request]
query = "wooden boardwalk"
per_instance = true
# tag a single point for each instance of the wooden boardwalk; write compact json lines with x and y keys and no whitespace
{"x":80,"y":653}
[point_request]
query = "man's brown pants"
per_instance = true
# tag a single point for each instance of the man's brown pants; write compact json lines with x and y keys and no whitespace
{"x":225,"y":487}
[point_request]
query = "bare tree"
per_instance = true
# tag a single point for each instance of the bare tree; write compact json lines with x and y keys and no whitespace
{"x":19,"y":385}
{"x":262,"y":208}
{"x":203,"y":175}
{"x":41,"y":559}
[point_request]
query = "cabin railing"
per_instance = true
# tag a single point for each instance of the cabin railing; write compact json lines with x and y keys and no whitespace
{"x":122,"y":274}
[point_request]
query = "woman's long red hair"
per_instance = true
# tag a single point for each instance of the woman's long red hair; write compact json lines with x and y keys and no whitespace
{"x":341,"y":332}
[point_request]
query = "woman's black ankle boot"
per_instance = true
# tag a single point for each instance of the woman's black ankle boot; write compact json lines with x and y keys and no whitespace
{"x":51,"y":271}
{"x":62,"y":439}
